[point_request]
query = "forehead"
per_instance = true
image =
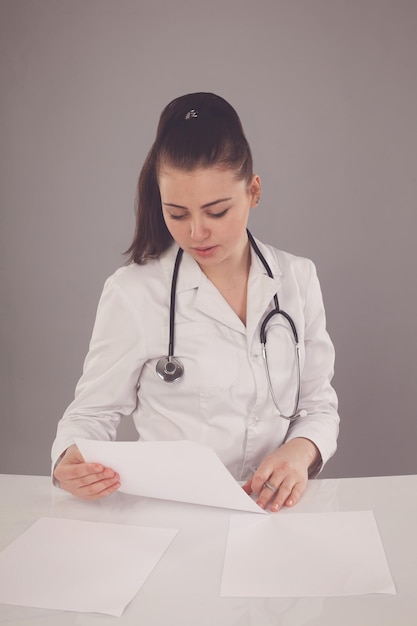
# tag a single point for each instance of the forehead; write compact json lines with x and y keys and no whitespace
{"x":199,"y":182}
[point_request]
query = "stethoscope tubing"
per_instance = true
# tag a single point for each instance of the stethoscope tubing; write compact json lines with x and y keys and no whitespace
{"x":172,"y":302}
{"x":170,"y":368}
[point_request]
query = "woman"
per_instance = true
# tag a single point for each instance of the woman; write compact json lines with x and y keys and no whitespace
{"x":195,"y":193}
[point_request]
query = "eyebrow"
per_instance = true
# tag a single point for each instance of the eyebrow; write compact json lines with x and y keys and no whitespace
{"x":203,"y":206}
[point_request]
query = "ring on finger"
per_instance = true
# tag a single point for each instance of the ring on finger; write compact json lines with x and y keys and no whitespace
{"x":269,"y":486}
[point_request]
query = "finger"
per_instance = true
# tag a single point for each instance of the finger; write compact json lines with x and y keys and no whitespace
{"x":69,"y":471}
{"x":247,"y":487}
{"x":284,"y":494}
{"x":268,"y":491}
{"x":260,"y":478}
{"x":99,"y":489}
{"x":295,"y":495}
{"x":73,"y":482}
{"x":90,"y":479}
{"x":96,"y":489}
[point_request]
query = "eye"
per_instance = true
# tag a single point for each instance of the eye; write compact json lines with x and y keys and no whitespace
{"x":218,"y":215}
{"x":172,"y":216}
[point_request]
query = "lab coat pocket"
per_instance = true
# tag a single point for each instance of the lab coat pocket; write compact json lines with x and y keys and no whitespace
{"x":208,"y":354}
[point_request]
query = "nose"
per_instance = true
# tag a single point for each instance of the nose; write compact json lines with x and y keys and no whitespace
{"x":199,"y":231}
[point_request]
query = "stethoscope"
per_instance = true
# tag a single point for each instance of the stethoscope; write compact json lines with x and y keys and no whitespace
{"x":170,"y":368}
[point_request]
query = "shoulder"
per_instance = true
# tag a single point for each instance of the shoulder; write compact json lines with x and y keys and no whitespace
{"x":135,"y":285}
{"x":129,"y":276}
{"x":285,"y":263}
{"x":297,"y":275}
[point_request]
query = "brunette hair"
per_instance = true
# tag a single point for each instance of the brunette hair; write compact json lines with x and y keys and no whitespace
{"x":195,"y":130}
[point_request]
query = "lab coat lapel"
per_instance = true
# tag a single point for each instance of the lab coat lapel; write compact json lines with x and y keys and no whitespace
{"x":210,"y":302}
{"x":189,"y":273}
{"x":208,"y":299}
{"x":261,"y":290}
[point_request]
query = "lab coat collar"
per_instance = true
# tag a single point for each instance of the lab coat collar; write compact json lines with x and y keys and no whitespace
{"x":189,"y":274}
{"x":261,"y":288}
{"x":208,"y":300}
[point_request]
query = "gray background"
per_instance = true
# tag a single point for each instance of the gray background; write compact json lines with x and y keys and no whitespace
{"x":326,"y":90}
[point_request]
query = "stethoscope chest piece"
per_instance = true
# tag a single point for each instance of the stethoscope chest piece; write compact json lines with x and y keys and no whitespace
{"x":169,"y":368}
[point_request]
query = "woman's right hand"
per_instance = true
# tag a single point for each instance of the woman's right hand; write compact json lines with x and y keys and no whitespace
{"x":85,"y":480}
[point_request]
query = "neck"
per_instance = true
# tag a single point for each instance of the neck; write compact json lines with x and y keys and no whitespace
{"x":232,"y":281}
{"x":233,"y":270}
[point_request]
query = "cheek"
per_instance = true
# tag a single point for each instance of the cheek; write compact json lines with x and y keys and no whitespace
{"x":240,"y":220}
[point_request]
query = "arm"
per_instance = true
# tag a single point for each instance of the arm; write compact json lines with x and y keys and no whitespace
{"x":311,"y":440}
{"x":106,"y":391}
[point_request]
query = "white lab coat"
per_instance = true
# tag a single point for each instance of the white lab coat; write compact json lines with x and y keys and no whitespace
{"x":223,"y":399}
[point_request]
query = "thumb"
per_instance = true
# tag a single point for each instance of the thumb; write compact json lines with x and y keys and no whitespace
{"x":72,"y":455}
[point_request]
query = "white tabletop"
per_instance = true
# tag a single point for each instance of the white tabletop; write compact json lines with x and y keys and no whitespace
{"x":184,"y":587}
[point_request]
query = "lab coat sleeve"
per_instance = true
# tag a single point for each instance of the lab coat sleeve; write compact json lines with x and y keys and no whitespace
{"x":317,"y":398}
{"x":107,"y":389}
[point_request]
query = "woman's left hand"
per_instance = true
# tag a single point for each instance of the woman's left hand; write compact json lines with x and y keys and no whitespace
{"x":282,"y":476}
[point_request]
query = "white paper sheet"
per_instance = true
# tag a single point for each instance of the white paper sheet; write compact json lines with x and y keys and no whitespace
{"x":185,"y":471}
{"x":80,"y":566}
{"x":305,"y":554}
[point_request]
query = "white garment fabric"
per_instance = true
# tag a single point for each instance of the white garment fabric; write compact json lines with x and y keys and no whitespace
{"x":223,"y":399}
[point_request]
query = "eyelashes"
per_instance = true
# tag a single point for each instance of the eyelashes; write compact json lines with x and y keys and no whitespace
{"x":176,"y":217}
{"x":213,"y":215}
{"x":217,"y":215}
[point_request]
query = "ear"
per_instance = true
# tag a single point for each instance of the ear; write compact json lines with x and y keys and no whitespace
{"x":255,"y":190}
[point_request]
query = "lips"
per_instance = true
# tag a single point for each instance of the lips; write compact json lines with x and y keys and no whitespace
{"x":204,"y":251}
